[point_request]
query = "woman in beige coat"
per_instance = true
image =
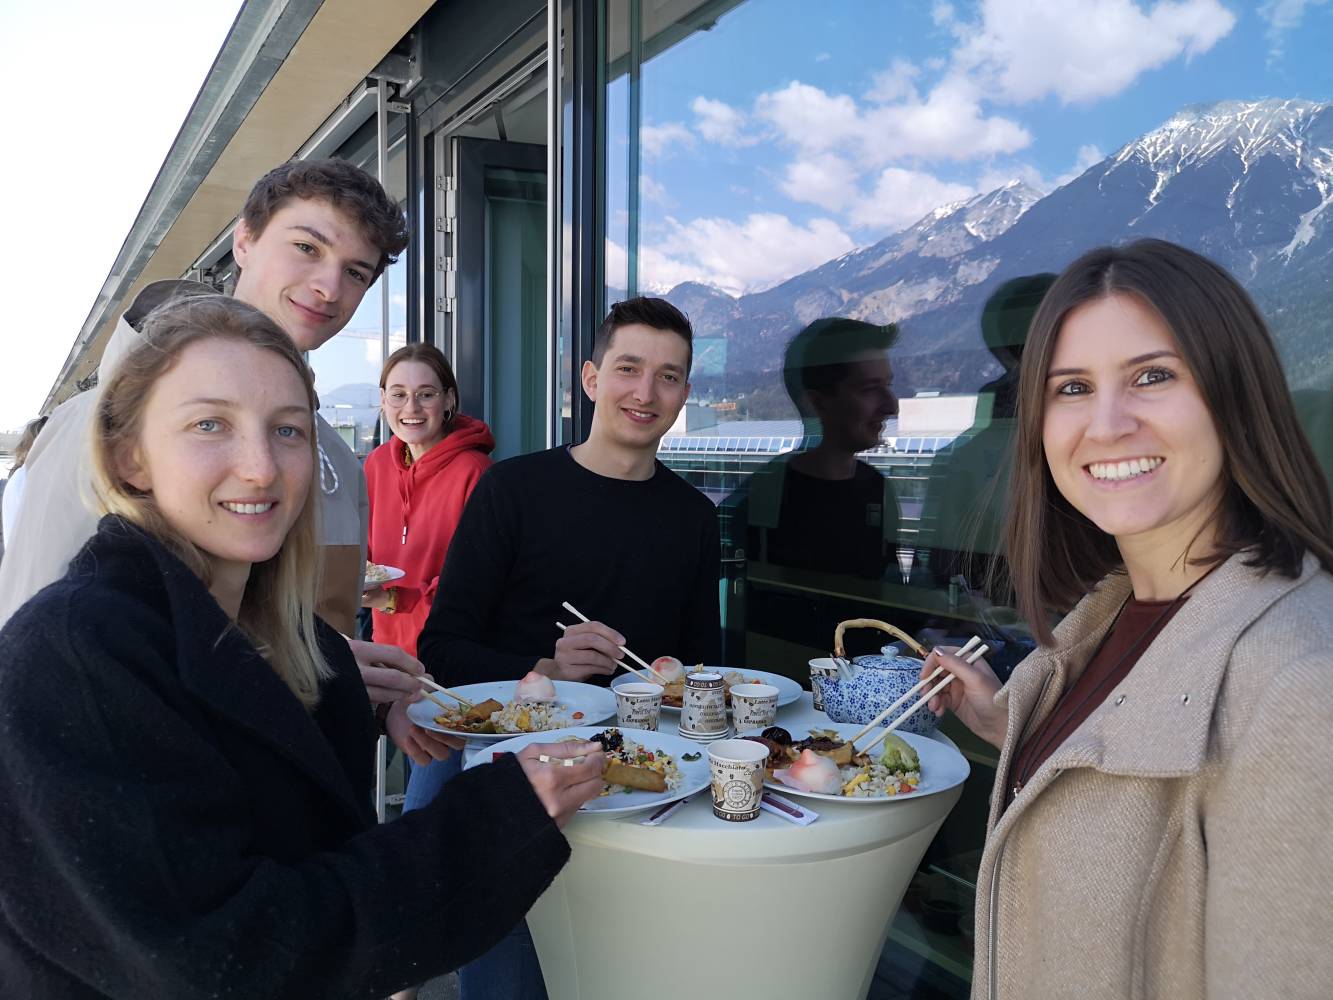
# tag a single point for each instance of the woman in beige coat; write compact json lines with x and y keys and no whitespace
{"x":1161,"y":823}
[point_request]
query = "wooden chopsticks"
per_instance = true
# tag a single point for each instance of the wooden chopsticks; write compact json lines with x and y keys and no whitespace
{"x":439,"y":701}
{"x":637,"y":659}
{"x":975,"y":655}
{"x":971,"y":644}
{"x":443,"y":690}
{"x":621,"y":663}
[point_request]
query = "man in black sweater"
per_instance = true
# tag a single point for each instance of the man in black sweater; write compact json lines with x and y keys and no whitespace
{"x":602,"y":525}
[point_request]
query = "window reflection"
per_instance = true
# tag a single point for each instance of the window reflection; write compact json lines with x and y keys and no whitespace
{"x":773,"y":167}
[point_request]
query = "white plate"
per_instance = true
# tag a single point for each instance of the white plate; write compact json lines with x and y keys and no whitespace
{"x":393,"y":573}
{"x":942,"y":767}
{"x":693,"y":773}
{"x":596,"y":704}
{"x":788,"y":690}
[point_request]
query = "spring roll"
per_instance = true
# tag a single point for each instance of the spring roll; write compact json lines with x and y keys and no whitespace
{"x":638,"y":778}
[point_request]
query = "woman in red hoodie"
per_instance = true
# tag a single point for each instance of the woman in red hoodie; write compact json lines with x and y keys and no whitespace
{"x":419,"y":481}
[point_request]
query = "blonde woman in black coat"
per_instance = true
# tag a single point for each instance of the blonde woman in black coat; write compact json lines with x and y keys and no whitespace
{"x":186,"y":751}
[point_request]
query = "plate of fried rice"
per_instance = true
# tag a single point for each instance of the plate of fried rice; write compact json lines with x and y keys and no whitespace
{"x":575,"y":704}
{"x":929,"y":766}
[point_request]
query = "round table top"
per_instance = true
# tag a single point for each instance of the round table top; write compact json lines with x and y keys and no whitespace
{"x":692,"y":833}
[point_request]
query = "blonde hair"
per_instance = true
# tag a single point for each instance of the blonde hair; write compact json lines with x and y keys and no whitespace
{"x":277,"y":609}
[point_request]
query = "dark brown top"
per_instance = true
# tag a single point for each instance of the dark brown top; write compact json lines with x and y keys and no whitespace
{"x":1131,"y":634}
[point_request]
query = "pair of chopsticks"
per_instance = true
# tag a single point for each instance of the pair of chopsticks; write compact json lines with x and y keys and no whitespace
{"x":620,"y":663}
{"x":969,"y":654}
{"x":427,"y":682}
{"x":561,"y":761}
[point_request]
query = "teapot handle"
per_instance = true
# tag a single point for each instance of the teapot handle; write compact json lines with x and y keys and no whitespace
{"x":897,"y":633}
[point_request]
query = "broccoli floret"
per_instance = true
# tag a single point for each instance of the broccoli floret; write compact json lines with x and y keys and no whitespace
{"x":898,"y":754}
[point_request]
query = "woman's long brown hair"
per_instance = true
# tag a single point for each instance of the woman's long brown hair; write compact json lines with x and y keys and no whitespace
{"x":1275,"y":504}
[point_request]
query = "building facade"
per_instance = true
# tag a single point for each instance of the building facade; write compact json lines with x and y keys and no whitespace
{"x":765,"y":164}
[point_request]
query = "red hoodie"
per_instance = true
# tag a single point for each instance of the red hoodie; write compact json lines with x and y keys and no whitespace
{"x":413,"y":514}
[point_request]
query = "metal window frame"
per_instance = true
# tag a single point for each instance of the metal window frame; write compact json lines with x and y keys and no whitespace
{"x":585,"y":211}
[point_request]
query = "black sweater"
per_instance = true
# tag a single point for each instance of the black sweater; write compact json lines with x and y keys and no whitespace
{"x":641,"y":557}
{"x":176,"y":825}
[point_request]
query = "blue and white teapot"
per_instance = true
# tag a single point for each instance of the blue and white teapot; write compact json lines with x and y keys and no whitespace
{"x":876,"y":681}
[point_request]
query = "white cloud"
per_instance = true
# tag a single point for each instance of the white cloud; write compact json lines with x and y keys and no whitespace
{"x":824,"y":179}
{"x":756,"y":253}
{"x":666,"y":138}
{"x":947,"y":124}
{"x":823,"y":57}
{"x":1283,"y":17}
{"x":651,"y":189}
{"x":720,"y":123}
{"x":894,"y":83}
{"x":1088,"y":156}
{"x":1081,"y":50}
{"x":810,"y":119}
{"x":901,"y":197}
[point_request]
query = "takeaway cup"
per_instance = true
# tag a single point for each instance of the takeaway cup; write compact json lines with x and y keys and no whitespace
{"x":703,"y":713}
{"x":638,"y":705}
{"x":737,"y":771}
{"x":753,"y":706}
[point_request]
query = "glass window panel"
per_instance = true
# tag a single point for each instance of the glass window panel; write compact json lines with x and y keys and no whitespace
{"x":769,"y":165}
{"x":347,"y":368}
{"x":516,"y":309}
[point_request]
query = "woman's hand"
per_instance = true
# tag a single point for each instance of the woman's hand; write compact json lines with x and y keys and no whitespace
{"x":387,"y":671}
{"x":422,"y":745}
{"x":563,"y":789}
{"x":971,"y":695}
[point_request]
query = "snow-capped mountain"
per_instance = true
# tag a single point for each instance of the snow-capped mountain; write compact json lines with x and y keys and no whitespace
{"x":1249,"y":183}
{"x":958,"y":227}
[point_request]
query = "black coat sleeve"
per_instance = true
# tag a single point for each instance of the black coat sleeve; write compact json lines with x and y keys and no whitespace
{"x":129,"y":863}
{"x":452,"y":645}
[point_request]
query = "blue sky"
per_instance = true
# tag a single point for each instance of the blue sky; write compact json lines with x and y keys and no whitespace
{"x":791,"y":130}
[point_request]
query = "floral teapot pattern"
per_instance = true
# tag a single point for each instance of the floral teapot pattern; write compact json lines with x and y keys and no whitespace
{"x":877,"y":681}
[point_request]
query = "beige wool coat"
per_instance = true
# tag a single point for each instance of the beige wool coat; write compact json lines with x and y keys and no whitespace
{"x":1180,"y":843}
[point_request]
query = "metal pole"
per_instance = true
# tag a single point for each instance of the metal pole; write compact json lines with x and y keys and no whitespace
{"x":634,"y":159}
{"x":554,"y":233}
{"x":382,"y":156}
{"x":382,"y":166}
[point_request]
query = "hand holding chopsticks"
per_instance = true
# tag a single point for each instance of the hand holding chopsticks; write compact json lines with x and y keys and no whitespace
{"x":621,"y":663}
{"x":637,"y":659}
{"x":971,"y":644}
{"x":971,"y":657}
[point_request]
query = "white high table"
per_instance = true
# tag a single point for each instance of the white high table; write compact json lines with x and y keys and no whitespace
{"x":698,"y":907}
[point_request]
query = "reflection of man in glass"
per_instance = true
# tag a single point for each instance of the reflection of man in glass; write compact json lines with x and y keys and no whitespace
{"x":823,"y":508}
{"x":964,"y":505}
